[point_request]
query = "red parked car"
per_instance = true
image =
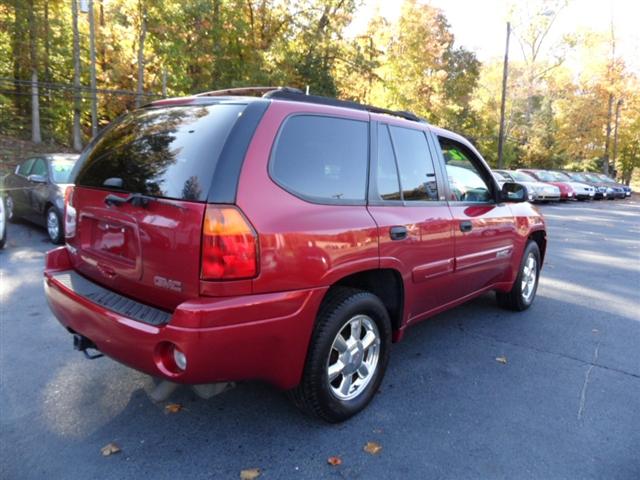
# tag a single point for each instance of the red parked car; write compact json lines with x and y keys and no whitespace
{"x":286,"y":238}
{"x":566,"y":191}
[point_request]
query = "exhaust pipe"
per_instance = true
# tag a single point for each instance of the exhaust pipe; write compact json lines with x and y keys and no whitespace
{"x":82,"y":344}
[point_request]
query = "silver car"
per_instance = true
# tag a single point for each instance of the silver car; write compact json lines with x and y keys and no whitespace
{"x":544,"y":192}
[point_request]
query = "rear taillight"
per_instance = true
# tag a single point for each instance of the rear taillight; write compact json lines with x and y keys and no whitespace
{"x":229,"y":245}
{"x":70,"y":217}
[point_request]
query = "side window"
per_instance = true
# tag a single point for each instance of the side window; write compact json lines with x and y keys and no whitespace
{"x":387,"y":171}
{"x":322,"y":158}
{"x":417,"y":173}
{"x":25,"y":166}
{"x":39,"y":168}
{"x":465,"y":180}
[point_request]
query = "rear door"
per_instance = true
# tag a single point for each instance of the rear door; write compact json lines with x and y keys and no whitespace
{"x":19,"y":185}
{"x":485,"y":231}
{"x":140,"y":198}
{"x":38,"y":192}
{"x":407,"y":202}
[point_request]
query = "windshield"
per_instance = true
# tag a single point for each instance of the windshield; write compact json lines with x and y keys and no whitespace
{"x":560,"y":177}
{"x":61,"y":169}
{"x":545,"y":176}
{"x":578,"y":176}
{"x":499,"y":177}
{"x":592,"y":177}
{"x":522,"y":177}
{"x":606,"y":179}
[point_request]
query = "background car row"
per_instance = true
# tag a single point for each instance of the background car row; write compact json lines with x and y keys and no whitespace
{"x":553,"y":185}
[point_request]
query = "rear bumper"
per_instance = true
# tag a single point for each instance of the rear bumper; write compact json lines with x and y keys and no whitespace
{"x":252,"y":337}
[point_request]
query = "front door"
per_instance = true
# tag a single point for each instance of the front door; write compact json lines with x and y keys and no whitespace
{"x":485,"y":231}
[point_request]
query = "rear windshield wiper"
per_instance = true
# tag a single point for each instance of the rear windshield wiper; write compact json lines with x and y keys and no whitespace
{"x":137,"y":200}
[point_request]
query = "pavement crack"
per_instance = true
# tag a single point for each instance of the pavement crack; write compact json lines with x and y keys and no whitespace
{"x":585,"y":385}
{"x":461,"y":328}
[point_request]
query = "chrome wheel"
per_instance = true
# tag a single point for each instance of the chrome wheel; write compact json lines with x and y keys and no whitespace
{"x":353,"y":358}
{"x":529,"y":278}
{"x":9,"y":208}
{"x":53,"y":225}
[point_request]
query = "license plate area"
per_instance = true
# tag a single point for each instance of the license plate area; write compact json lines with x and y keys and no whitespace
{"x":112,"y":238}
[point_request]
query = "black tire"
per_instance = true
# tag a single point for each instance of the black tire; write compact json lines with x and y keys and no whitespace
{"x":516,"y":299}
{"x":314,"y":395}
{"x":58,"y":237}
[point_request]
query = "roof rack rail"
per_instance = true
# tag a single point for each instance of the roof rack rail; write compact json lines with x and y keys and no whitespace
{"x":296,"y":95}
{"x":247,"y":91}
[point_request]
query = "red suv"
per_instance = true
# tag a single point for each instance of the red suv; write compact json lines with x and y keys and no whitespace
{"x":285,"y":238}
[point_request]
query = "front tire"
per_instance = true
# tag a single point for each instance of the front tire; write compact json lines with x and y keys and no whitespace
{"x":524,"y":289}
{"x":54,"y":226}
{"x":10,"y":209}
{"x":347,"y":357}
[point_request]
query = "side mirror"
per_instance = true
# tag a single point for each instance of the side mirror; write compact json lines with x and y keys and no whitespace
{"x":37,"y":178}
{"x":514,"y":193}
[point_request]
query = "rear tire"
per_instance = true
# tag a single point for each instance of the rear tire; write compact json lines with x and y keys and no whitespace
{"x":347,"y":356}
{"x":524,"y":289}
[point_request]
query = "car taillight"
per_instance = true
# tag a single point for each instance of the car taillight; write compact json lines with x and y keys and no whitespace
{"x":229,"y":245}
{"x":70,"y":217}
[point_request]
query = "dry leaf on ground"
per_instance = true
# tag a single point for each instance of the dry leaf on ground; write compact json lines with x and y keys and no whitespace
{"x":110,"y":449}
{"x":172,"y":408}
{"x":250,"y":474}
{"x":501,"y":359}
{"x":373,"y":448}
{"x":334,"y":461}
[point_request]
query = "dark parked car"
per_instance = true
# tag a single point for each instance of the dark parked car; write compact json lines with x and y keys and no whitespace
{"x":610,"y":181}
{"x":35,"y":191}
{"x":287,"y":238}
{"x":601,"y":190}
{"x":3,"y":221}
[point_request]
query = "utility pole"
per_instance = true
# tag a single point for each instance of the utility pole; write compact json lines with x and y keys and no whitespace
{"x":77,"y":106}
{"x":607,"y":140}
{"x":164,"y":82}
{"x":615,"y":134}
{"x":141,"y":38}
{"x":92,"y":71}
{"x":505,"y":74}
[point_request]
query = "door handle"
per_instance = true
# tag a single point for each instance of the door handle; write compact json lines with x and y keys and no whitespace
{"x":398,"y":233}
{"x":466,"y":226}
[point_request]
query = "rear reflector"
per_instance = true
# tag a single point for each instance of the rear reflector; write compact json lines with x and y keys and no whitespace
{"x":229,"y":245}
{"x":70,"y":215}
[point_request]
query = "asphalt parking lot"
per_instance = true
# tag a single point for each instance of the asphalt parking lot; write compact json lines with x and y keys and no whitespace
{"x":565,"y":405}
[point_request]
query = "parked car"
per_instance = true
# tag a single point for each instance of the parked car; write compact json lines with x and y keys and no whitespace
{"x":35,"y":191}
{"x":3,"y":222}
{"x":501,"y":179}
{"x":566,"y":191}
{"x":601,"y":191}
{"x":583,"y":191}
{"x":543,"y":192}
{"x":287,"y":238}
{"x":613,"y":191}
{"x":616,"y":185}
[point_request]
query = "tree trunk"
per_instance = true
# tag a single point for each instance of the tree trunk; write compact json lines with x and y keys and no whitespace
{"x":77,"y":105}
{"x":36,"y":137}
{"x":92,"y":71}
{"x":141,"y":38}
{"x":607,"y":140}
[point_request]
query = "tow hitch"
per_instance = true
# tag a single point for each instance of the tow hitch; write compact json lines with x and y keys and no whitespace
{"x":83,"y":344}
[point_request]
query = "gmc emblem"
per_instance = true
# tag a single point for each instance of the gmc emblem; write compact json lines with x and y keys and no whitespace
{"x":167,"y":283}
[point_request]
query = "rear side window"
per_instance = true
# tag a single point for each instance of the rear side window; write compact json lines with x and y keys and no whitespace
{"x":417,"y":173}
{"x":39,"y":168}
{"x":322,"y":159}
{"x":167,"y":152}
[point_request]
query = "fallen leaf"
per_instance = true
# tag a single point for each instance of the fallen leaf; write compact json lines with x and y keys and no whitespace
{"x":250,"y":474}
{"x":373,"y":448}
{"x":172,"y":408}
{"x":110,"y":449}
{"x":334,"y":461}
{"x":501,"y":359}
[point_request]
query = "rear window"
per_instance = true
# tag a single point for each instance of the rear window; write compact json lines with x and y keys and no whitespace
{"x":322,"y":159}
{"x":61,"y":170}
{"x":167,"y":152}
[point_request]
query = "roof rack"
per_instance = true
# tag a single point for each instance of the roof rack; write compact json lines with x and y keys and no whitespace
{"x":295,"y":95}
{"x":248,"y":91}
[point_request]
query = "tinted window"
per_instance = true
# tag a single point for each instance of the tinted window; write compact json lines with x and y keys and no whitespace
{"x":25,"y":166}
{"x":166,"y":152}
{"x":417,"y":174}
{"x":465,"y":180}
{"x":387,"y":172}
{"x":322,"y":158}
{"x":39,"y":168}
{"x":61,"y":170}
